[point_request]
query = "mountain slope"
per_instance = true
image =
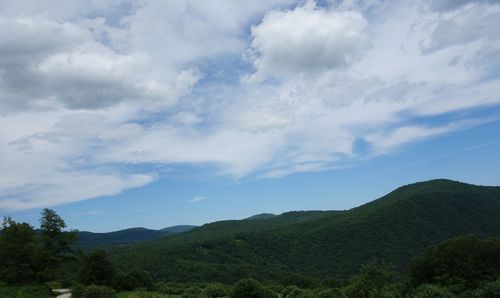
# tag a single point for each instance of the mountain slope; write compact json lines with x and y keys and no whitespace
{"x":89,"y":240}
{"x":393,"y":229}
{"x":178,"y":229}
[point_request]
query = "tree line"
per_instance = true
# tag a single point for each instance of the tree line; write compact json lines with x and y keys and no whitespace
{"x":465,"y":266}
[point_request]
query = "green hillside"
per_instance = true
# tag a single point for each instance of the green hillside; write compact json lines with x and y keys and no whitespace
{"x":178,"y":229}
{"x":322,"y":244}
{"x":89,"y":240}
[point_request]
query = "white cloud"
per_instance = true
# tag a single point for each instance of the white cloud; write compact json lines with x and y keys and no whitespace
{"x":46,"y":65}
{"x":127,"y":86}
{"x":306,"y":40}
{"x":197,"y":199}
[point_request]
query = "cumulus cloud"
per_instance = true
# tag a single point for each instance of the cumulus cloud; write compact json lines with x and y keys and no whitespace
{"x":94,"y":97}
{"x":307,"y":40}
{"x":47,"y":65}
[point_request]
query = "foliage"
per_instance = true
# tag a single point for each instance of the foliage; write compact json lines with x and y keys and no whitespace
{"x":169,"y":288}
{"x":488,"y":289}
{"x":18,"y":252}
{"x":331,"y":293}
{"x":27,"y":291}
{"x":89,"y":241}
{"x":133,"y":279}
{"x":290,"y":291}
{"x":55,"y":243}
{"x":462,"y":262}
{"x":96,"y":268}
{"x":214,"y":290}
{"x":192,"y":292}
{"x":93,"y":291}
{"x":250,"y":288}
{"x":26,"y":257}
{"x":315,"y":244}
{"x":374,"y":280}
{"x":430,"y":291}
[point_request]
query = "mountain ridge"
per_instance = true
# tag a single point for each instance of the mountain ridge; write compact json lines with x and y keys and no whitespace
{"x":392,"y":229}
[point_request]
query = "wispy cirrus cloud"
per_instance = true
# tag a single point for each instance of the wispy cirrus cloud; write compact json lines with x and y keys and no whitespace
{"x":197,"y":199}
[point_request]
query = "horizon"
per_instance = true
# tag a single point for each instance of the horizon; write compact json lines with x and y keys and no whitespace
{"x":154,"y":114}
{"x":279,"y":214}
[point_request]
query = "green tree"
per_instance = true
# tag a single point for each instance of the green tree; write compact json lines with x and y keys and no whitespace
{"x":462,"y":262}
{"x":373,"y":281}
{"x":133,"y":280}
{"x":92,"y":291}
{"x":330,"y":293}
{"x":489,"y":289}
{"x":18,"y":252}
{"x":250,"y":288}
{"x":214,"y":290}
{"x":54,"y":242}
{"x":192,"y":292}
{"x":97,"y":268}
{"x":430,"y":291}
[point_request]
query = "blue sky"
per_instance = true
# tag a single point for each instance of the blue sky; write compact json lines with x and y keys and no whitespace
{"x":156,"y":113}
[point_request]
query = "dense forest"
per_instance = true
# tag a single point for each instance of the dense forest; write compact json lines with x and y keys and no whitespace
{"x":430,"y":239}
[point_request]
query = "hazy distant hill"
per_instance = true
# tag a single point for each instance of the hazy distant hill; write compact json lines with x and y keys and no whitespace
{"x":262,"y":216}
{"x":178,"y":229}
{"x":89,"y":240}
{"x":393,"y":229}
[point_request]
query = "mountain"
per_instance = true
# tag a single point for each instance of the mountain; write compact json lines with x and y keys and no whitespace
{"x":89,"y":240}
{"x":178,"y":229}
{"x":261,"y":216}
{"x":322,"y":244}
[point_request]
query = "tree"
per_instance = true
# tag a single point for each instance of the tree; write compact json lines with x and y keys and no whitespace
{"x":133,"y":280}
{"x":250,"y":288}
{"x":97,"y":268}
{"x":18,"y":252}
{"x":430,"y":291}
{"x":374,"y":280}
{"x":214,"y":290}
{"x":463,"y":262}
{"x":92,"y":291}
{"x":54,"y":242}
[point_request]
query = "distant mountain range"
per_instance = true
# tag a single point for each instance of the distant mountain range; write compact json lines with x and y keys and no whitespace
{"x":321,"y":244}
{"x":89,"y":240}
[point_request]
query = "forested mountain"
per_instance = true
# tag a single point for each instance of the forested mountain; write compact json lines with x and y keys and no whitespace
{"x":322,"y":244}
{"x":89,"y":240}
{"x":178,"y":229}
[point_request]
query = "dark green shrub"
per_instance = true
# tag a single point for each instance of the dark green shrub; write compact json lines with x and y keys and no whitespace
{"x":291,"y":292}
{"x":489,"y":289}
{"x":464,"y":262}
{"x":78,"y":291}
{"x":93,"y":291}
{"x":330,"y":293}
{"x":304,"y":282}
{"x":97,"y":269}
{"x":214,"y":290}
{"x":192,"y":292}
{"x":250,"y":288}
{"x":333,"y":282}
{"x":18,"y":252}
{"x":373,"y":280}
{"x":32,"y":291}
{"x":430,"y":291}
{"x":133,"y":280}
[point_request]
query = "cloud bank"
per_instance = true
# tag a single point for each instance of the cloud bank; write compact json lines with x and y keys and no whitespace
{"x":99,"y":97}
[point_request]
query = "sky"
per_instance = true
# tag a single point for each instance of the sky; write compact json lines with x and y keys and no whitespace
{"x":120,"y":114}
